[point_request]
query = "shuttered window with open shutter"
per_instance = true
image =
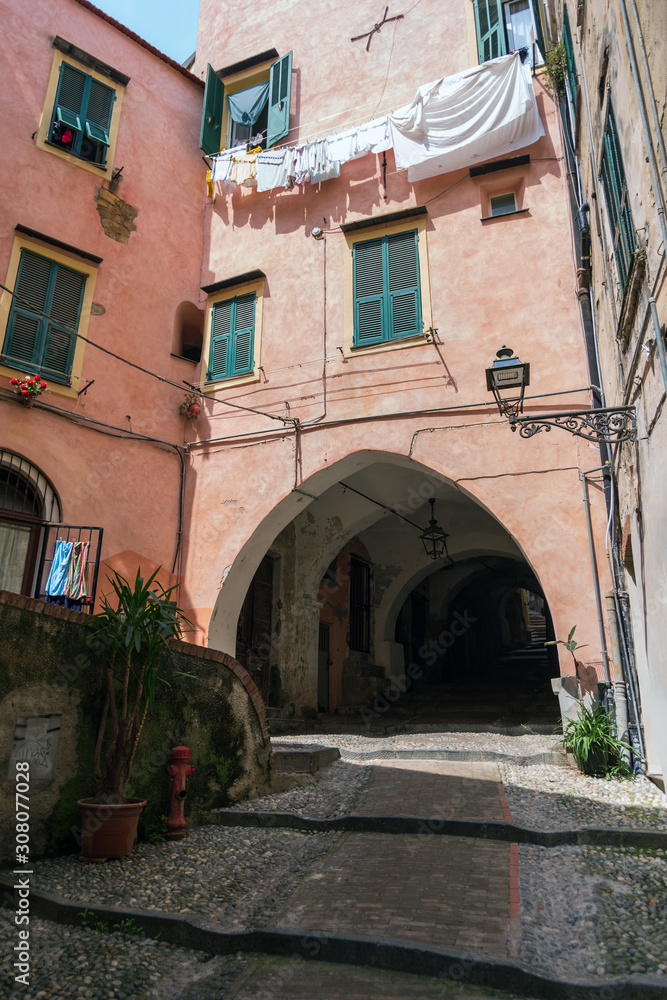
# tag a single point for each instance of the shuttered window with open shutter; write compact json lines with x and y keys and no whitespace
{"x":387,"y":297}
{"x":615,"y":186}
{"x":232,"y":338}
{"x":82,"y":115}
{"x":44,"y":317}
{"x":490,"y":29}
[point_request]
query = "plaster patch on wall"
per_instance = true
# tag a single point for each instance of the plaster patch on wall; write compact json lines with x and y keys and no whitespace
{"x":225,"y":574}
{"x":97,"y":310}
{"x":227,"y":503}
{"x":116,"y":216}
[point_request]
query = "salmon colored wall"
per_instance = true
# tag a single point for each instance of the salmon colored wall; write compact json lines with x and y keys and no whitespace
{"x":130,"y":488}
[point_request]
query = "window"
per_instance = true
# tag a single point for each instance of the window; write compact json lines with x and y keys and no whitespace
{"x":387,"y":297}
{"x":45,"y":308}
{"x":233,"y":328}
{"x":615,"y":186}
{"x":82,"y":108}
{"x":570,"y":67}
{"x":360,"y":605}
{"x":82,"y":115}
{"x":508,"y":27}
{"x":27,"y":500}
{"x":502,"y":204}
{"x":249,"y":106}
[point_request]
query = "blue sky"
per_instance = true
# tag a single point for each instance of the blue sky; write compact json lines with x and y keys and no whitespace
{"x":169,"y":25}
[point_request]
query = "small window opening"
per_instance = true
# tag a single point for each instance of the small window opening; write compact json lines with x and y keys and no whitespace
{"x":502,"y":204}
{"x":189,"y":330}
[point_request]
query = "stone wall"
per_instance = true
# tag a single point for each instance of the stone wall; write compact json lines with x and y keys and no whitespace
{"x":50,"y":704}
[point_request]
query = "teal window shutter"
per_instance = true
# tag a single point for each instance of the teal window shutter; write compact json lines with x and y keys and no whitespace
{"x":210,"y":140}
{"x":98,"y":111}
{"x":615,"y":187}
{"x":490,"y":29}
{"x":387,"y":296}
{"x":45,"y":309}
{"x":244,"y":333}
{"x":69,"y":99}
{"x":369,"y":299}
{"x":232,"y":338}
{"x":82,"y":115}
{"x":404,"y":299}
{"x":280,"y":88}
{"x":571,"y":68}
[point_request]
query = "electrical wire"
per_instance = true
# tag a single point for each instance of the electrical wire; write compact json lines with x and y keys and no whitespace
{"x":125,"y":361}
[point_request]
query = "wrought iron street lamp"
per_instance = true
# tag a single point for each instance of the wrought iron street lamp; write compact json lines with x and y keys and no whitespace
{"x":507,"y":379}
{"x":435,"y":539}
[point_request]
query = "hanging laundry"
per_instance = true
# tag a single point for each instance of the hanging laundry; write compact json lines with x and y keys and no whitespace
{"x":374,"y":136}
{"x":75,"y":587}
{"x":466,"y":118}
{"x":56,"y":585}
{"x":322,"y":168}
{"x":245,"y":106}
{"x":244,"y":169}
{"x":222,"y":165}
{"x":271,"y":171}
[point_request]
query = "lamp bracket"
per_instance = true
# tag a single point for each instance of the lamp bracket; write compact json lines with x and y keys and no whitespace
{"x":609,"y":425}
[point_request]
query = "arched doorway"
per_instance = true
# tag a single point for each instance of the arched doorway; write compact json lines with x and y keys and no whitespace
{"x":343,"y":566}
{"x":27,"y":501}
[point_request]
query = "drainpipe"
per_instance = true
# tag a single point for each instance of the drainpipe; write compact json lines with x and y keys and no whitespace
{"x":620,"y":698}
{"x":645,"y":129}
{"x":658,"y":340}
{"x":596,"y":578}
{"x":654,"y":109}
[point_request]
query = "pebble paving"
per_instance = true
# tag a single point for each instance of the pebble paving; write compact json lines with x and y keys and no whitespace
{"x":585,"y":911}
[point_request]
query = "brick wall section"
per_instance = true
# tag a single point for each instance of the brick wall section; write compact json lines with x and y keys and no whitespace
{"x":189,"y":648}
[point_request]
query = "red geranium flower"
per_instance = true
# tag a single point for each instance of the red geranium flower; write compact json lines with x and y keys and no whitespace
{"x":14,"y":381}
{"x":43,"y":385}
{"x":24,"y":392}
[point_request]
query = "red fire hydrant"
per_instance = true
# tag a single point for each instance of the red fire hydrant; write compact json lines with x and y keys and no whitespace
{"x":179,"y":771}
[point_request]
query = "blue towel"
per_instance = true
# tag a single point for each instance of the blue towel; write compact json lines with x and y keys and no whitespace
{"x":57,"y":581}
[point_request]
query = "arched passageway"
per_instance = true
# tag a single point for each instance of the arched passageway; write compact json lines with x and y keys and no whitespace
{"x":328,"y":608}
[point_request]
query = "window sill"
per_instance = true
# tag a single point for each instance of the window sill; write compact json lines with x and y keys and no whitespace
{"x":88,"y":164}
{"x":504,"y":215}
{"x":228,"y":383}
{"x":388,"y":345}
{"x":181,"y":357}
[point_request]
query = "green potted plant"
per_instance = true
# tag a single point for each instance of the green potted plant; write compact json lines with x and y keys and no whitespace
{"x":591,"y":740}
{"x":135,"y":629}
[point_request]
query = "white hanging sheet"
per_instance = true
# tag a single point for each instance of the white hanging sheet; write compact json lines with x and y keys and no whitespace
{"x":473,"y":116}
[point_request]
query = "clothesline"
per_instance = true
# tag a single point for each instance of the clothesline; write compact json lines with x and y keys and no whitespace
{"x":475,"y":115}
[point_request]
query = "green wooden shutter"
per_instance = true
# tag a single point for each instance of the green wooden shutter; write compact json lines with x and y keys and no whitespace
{"x":69,"y":99}
{"x":369,"y":299}
{"x":48,"y":299}
{"x":404,"y":299}
{"x":615,"y":186}
{"x":98,"y":111}
{"x":210,"y":140}
{"x":571,"y":68}
{"x":280,"y":88}
{"x":65,"y":310}
{"x":244,"y":331}
{"x":490,"y":29}
{"x":24,"y":330}
{"x":221,"y":336}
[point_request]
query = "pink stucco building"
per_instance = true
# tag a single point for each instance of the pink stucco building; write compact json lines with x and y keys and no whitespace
{"x":337,"y":326}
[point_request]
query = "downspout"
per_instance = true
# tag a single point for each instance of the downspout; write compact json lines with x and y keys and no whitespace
{"x":620,"y":698}
{"x":654,"y":109}
{"x":645,"y":129}
{"x":596,"y":577}
{"x":658,"y":340}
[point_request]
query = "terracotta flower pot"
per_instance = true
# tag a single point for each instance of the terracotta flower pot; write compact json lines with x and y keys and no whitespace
{"x":109,"y":831}
{"x":27,"y":400}
{"x":194,"y":409}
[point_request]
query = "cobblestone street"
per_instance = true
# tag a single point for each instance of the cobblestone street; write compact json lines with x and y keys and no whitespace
{"x":378,"y":913}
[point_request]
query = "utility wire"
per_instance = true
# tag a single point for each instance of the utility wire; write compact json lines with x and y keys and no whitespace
{"x":125,"y":361}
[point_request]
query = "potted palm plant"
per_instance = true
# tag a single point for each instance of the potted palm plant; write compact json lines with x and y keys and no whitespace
{"x":591,"y":740}
{"x":135,"y":629}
